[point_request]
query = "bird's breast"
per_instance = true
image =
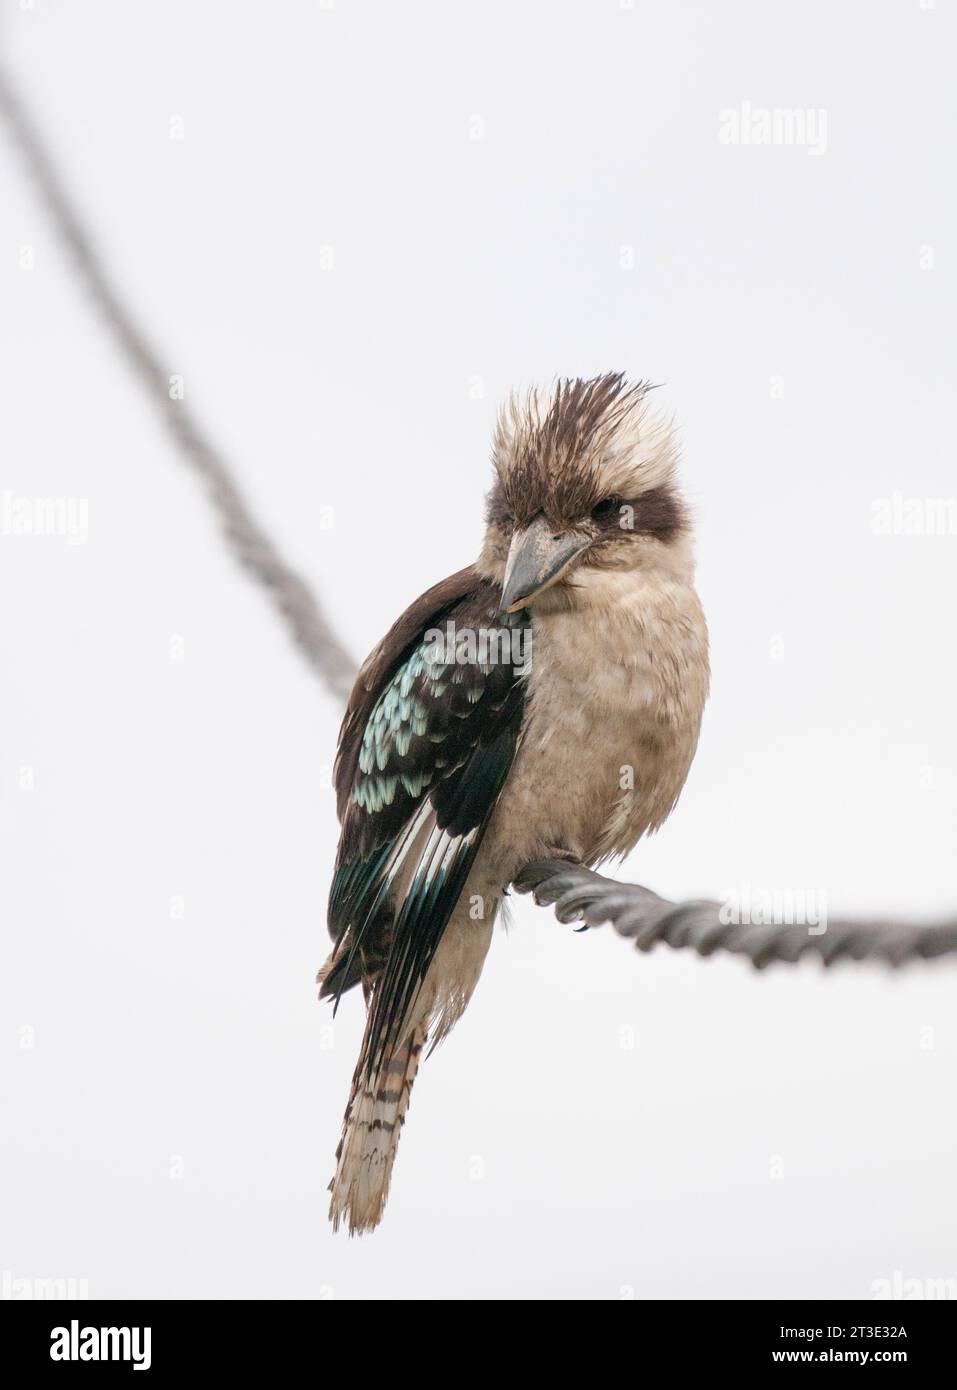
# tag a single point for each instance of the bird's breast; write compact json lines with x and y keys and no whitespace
{"x":613,"y":707}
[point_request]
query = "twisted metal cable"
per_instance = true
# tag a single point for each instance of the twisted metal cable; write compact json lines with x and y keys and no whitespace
{"x":575,"y":892}
{"x":579,"y":894}
{"x":249,"y":542}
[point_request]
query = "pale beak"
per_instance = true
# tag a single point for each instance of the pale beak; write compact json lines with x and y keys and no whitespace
{"x":537,"y":559}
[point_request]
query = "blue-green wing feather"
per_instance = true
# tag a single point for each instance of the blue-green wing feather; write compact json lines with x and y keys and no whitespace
{"x":424,"y":754}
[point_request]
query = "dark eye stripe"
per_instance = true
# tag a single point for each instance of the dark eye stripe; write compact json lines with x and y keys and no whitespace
{"x":657,"y":513}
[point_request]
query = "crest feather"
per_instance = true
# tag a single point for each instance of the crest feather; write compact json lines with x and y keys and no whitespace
{"x":560,"y":451}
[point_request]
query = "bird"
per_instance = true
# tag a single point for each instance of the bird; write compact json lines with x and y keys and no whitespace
{"x":543,"y":702}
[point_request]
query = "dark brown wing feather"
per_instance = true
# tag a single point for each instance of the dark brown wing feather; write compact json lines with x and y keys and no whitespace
{"x":426,"y":745}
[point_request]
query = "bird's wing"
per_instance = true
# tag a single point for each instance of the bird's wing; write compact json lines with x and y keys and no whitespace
{"x":426,"y":744}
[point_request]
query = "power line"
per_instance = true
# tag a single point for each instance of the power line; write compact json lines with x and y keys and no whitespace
{"x":249,"y":542}
{"x":577,"y":893}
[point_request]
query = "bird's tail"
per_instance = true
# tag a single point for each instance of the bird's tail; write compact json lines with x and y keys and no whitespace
{"x":370,"y":1133}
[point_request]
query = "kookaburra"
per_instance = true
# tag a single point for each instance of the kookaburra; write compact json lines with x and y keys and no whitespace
{"x":544,"y":701}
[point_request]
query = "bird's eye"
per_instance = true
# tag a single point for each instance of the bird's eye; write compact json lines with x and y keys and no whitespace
{"x":606,"y":508}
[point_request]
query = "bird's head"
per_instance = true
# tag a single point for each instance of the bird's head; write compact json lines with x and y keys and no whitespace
{"x":584,"y":484}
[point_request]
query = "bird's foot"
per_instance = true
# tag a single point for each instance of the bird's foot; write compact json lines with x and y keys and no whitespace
{"x":555,"y":853}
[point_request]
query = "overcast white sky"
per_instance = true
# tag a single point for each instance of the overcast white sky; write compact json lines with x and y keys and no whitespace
{"x":380,"y":217}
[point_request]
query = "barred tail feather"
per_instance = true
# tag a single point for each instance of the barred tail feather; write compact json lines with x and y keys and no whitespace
{"x":370,"y":1134}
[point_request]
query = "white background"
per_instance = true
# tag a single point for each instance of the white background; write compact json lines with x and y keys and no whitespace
{"x":171,"y":1130}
